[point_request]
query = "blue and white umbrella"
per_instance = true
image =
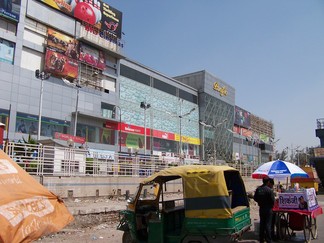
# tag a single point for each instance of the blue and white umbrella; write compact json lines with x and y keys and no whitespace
{"x":278,"y":169}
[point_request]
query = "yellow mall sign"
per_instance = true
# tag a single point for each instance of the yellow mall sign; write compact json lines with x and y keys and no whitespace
{"x":222,"y":90}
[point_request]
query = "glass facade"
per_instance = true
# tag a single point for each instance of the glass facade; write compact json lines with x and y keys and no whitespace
{"x":167,"y":113}
{"x":218,"y":140}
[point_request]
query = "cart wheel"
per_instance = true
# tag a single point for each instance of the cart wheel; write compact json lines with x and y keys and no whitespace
{"x":307,"y":229}
{"x":127,"y":238}
{"x":283,"y":228}
{"x":194,"y":239}
{"x":313,"y":228}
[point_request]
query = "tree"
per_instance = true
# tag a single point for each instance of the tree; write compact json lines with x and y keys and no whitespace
{"x":281,"y":155}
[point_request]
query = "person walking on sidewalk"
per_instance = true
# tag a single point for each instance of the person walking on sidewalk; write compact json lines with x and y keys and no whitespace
{"x":265,"y":198}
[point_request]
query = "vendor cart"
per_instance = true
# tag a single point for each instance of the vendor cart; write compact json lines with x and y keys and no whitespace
{"x":291,"y":216}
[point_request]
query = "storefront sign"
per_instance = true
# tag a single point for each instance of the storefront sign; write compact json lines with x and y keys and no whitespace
{"x":222,"y":90}
{"x":10,"y":9}
{"x":111,"y":125}
{"x":66,"y":137}
{"x":163,"y":135}
{"x":101,"y":154}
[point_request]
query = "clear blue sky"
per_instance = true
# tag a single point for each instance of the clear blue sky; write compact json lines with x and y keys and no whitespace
{"x":270,"y":51}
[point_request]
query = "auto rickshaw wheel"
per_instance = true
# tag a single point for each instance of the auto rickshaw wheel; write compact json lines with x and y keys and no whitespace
{"x":127,"y":238}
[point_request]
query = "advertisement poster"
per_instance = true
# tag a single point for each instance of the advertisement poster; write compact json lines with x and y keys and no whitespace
{"x":107,"y":136}
{"x":26,"y":123}
{"x":60,"y":65}
{"x":10,"y":9}
{"x":63,"y":44}
{"x":242,"y":117}
{"x":65,"y":137}
{"x":304,"y":200}
{"x":97,"y":13}
{"x":92,"y":56}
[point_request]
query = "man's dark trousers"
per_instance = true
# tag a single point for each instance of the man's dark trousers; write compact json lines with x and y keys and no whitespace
{"x":265,"y":223}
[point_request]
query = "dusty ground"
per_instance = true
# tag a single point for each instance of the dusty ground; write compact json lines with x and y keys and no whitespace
{"x":102,"y":227}
{"x":91,"y":227}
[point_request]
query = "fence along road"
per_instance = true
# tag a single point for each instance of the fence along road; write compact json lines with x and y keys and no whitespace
{"x":77,"y":172}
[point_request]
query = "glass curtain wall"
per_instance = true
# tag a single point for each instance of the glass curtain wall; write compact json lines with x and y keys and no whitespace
{"x":164,"y":115}
{"x":218,"y":140}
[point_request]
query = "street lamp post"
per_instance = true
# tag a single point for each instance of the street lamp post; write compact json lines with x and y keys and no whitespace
{"x":77,"y":87}
{"x":215,"y":127}
{"x":42,"y":76}
{"x":145,"y":106}
{"x":203,"y":137}
{"x":119,"y":130}
{"x":180,"y":128}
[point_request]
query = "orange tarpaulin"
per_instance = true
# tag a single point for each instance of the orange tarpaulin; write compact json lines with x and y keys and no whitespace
{"x":27,"y":209}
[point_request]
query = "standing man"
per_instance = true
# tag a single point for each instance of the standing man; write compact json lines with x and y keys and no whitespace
{"x":265,"y":198}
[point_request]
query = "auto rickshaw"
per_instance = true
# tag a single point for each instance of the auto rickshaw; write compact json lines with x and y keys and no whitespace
{"x":212,"y":203}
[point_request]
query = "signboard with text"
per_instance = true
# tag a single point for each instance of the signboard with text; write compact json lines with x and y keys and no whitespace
{"x":301,"y":200}
{"x":96,"y":13}
{"x":10,"y":9}
{"x":66,"y":137}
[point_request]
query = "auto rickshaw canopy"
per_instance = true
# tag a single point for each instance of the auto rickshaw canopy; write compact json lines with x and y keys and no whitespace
{"x":207,"y":189}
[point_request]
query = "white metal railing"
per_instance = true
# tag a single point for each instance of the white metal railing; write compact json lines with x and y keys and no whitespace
{"x":63,"y":161}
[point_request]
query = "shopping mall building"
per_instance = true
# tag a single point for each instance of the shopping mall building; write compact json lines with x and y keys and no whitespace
{"x":69,"y":71}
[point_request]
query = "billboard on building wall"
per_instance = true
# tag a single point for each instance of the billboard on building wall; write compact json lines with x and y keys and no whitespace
{"x":96,"y":13}
{"x":63,"y":44}
{"x":242,"y":117}
{"x":264,"y":138}
{"x":92,"y":56}
{"x":10,"y":9}
{"x":60,"y":65}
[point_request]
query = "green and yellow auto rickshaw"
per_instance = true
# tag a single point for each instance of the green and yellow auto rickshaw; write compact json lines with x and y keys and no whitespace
{"x":211,"y":203}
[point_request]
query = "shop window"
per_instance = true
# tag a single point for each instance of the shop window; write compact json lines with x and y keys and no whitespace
{"x":107,"y":110}
{"x":87,"y":132}
{"x":107,"y":136}
{"x":28,"y":124}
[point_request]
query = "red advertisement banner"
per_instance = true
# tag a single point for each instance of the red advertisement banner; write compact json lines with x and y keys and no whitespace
{"x":60,"y":65}
{"x":111,"y":125}
{"x":134,"y":129}
{"x":163,"y":135}
{"x":92,"y":56}
{"x":66,"y":137}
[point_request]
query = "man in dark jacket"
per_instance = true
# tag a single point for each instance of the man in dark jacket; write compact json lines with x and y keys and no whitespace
{"x":265,"y":198}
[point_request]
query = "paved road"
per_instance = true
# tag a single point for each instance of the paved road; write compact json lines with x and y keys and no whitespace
{"x":110,"y":234}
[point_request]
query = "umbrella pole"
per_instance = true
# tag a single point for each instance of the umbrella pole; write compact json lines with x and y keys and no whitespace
{"x":287,"y":184}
